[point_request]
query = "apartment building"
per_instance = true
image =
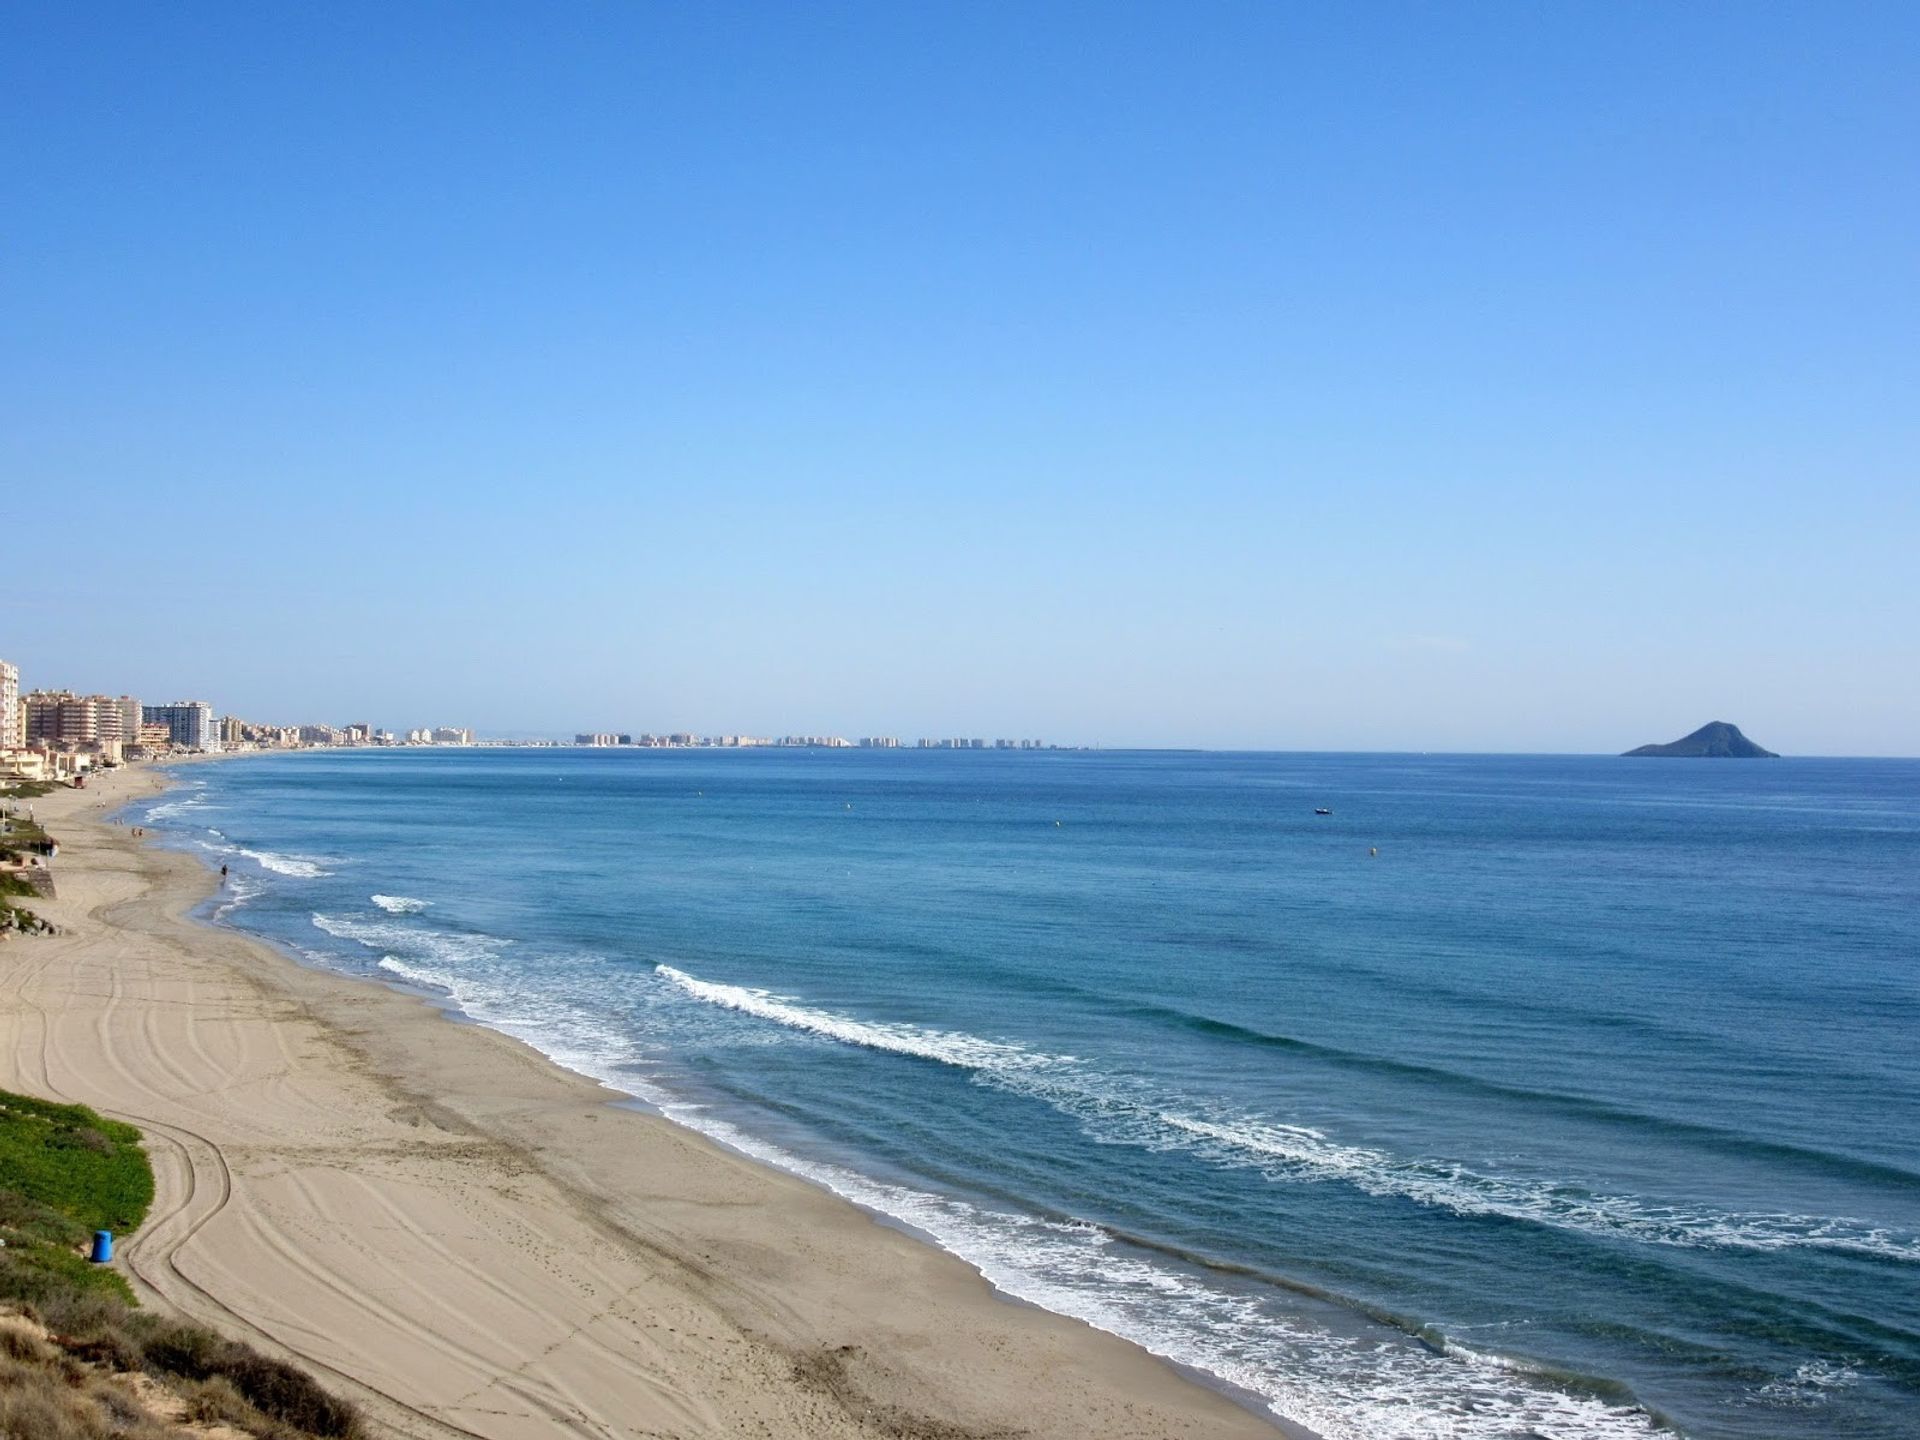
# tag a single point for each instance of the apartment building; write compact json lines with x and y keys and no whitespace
{"x":190,"y":724}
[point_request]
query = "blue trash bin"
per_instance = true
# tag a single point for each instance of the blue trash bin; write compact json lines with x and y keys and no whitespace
{"x":102,"y":1247}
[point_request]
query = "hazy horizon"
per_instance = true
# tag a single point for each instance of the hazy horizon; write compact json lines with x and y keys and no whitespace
{"x":1494,"y":380}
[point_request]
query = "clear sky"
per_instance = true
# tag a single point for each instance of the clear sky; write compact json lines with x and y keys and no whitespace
{"x":1479,"y":376}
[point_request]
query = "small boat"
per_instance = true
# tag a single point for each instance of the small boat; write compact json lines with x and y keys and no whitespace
{"x":1321,"y":810}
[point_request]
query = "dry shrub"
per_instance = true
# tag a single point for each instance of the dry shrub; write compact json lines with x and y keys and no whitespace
{"x":188,"y":1351}
{"x":22,"y":1345}
{"x":43,"y":1404}
{"x":118,"y":1406}
{"x":39,"y":1412}
{"x":80,"y":1314}
{"x":277,"y":1390}
{"x":289,"y":1395}
{"x":91,"y":1326}
{"x":229,"y":1380}
{"x":216,"y":1402}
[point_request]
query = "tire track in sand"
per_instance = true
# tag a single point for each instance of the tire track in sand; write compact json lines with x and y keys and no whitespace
{"x":205,"y":1189}
{"x":193,"y":1185}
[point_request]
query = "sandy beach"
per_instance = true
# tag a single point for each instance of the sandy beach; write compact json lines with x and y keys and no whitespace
{"x":471,"y":1241}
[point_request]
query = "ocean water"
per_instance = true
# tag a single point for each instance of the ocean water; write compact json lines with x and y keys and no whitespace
{"x":1588,"y":1107}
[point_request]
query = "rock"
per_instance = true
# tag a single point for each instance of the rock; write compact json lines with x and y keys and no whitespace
{"x":1717,"y":741}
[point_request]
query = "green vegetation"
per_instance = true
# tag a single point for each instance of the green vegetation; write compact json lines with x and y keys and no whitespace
{"x":18,"y":917}
{"x":21,"y":837}
{"x":68,"y":1159}
{"x":26,"y":789}
{"x":64,"y":1173}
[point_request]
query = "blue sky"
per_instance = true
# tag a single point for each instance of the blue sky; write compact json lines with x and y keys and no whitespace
{"x":1494,"y":376}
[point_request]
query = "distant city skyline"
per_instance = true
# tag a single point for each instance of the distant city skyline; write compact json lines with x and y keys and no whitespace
{"x":1492,"y":378}
{"x":87,"y":729}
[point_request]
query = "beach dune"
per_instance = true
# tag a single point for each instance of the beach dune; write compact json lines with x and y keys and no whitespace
{"x":471,"y":1241}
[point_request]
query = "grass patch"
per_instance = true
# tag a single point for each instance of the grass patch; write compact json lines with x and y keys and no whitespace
{"x":21,"y":837}
{"x":68,"y":1161}
{"x":64,"y":1173}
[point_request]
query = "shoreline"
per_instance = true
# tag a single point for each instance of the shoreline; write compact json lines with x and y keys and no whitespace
{"x":472,"y":1240}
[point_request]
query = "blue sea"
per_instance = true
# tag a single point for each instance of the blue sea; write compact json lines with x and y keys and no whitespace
{"x":1588,"y":1106}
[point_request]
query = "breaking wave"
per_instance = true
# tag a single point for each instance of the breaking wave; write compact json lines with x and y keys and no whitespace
{"x":299,"y":866}
{"x":1118,"y":1109}
{"x":1346,"y":1386}
{"x":442,"y":947}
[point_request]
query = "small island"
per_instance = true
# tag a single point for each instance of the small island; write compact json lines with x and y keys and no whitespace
{"x":1716,"y":741}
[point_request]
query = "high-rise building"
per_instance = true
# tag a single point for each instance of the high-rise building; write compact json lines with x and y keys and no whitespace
{"x":13,"y":730}
{"x":189,"y":723}
{"x":61,"y":719}
{"x":109,"y":720}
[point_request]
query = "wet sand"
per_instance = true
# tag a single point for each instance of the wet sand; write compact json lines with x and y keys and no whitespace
{"x":474,"y":1242}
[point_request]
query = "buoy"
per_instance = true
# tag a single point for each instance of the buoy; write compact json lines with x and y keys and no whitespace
{"x":1373,"y":850}
{"x":102,"y":1247}
{"x":1056,"y":824}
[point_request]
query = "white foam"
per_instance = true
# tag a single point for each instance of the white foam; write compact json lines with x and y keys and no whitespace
{"x":301,"y":866}
{"x":1808,"y":1386}
{"x":400,"y":904}
{"x":1286,"y":1152}
{"x":239,"y":891}
{"x":442,"y":947}
{"x":1120,"y":1110}
{"x":1375,"y":1385}
{"x":579,"y":1039}
{"x":949,"y":1047}
{"x":415,"y":974}
{"x":1371,"y":1386}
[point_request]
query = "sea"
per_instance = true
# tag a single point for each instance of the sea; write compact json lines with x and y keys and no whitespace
{"x":1517,"y":1096}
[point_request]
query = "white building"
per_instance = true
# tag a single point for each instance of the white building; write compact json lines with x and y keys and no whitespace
{"x":13,"y":729}
{"x":189,"y":723}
